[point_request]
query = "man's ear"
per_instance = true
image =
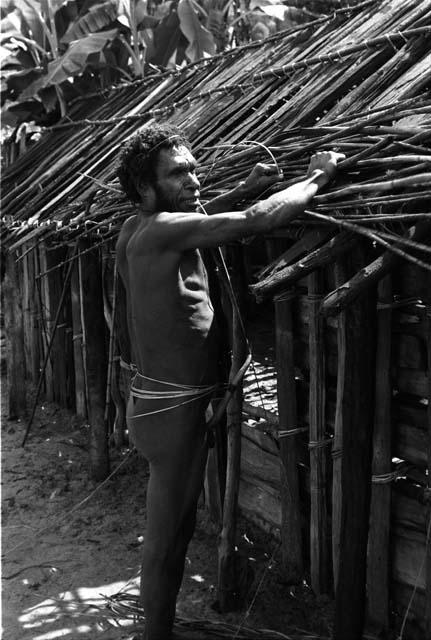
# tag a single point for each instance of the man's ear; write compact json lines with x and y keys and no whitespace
{"x":147,"y":194}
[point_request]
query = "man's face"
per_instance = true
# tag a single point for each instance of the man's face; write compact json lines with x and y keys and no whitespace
{"x":176,"y":186}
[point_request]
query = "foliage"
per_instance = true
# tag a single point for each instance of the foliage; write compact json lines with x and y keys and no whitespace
{"x":54,"y":50}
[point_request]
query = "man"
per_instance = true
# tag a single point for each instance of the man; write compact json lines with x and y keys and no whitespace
{"x":173,"y":331}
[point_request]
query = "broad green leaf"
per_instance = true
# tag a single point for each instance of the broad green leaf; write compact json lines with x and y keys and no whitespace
{"x":201,"y":41}
{"x":72,"y":62}
{"x":99,"y":16}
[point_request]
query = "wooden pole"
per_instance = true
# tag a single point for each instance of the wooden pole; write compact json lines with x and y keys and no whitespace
{"x":95,"y":361}
{"x":380,"y":512}
{"x":125,"y":352}
{"x":428,"y":519}
{"x":232,"y":577}
{"x":45,"y":310}
{"x":215,"y":472}
{"x":324,"y":255}
{"x":229,"y":593}
{"x":28,"y":312}
{"x":290,"y":533}
{"x":17,"y":403}
{"x":48,"y":351}
{"x":77,"y":339}
{"x":357,"y":407}
{"x":59,"y":360}
{"x":337,"y":444}
{"x":319,"y":538}
{"x":369,"y":275}
{"x":291,"y":536}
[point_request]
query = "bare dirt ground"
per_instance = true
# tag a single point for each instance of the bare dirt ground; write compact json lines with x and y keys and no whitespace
{"x":66,"y":547}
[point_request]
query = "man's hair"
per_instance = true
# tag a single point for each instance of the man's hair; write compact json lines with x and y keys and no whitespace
{"x":139,"y":154}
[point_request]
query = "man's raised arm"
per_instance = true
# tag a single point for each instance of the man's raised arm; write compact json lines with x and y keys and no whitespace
{"x":181,"y":231}
{"x":257,"y":182}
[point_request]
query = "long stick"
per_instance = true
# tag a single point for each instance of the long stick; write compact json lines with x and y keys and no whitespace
{"x":49,"y":347}
{"x":372,"y":236}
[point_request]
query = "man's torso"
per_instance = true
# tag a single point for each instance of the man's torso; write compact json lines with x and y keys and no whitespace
{"x":171,"y":313}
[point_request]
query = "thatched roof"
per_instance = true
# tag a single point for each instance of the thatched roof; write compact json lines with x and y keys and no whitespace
{"x":357,"y":81}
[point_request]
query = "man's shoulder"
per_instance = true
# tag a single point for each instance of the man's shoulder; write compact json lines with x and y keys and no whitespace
{"x":128,"y":227}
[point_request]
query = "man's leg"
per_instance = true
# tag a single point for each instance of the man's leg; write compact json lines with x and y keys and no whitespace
{"x":176,"y":479}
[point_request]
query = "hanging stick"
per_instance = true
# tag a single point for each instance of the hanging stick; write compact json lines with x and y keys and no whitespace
{"x":111,"y":345}
{"x":48,"y":350}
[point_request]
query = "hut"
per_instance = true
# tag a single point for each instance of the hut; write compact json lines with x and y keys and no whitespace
{"x":334,"y":423}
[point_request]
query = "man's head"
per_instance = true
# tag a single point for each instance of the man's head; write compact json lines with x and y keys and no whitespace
{"x":156,"y":165}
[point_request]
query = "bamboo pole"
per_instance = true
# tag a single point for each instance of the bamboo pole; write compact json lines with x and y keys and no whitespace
{"x":95,"y":362}
{"x":357,"y":407}
{"x":17,"y":402}
{"x":319,"y":538}
{"x":380,"y":511}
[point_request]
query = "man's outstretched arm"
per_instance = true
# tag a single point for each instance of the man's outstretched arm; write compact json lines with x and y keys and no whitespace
{"x":257,"y":182}
{"x":182,"y":231}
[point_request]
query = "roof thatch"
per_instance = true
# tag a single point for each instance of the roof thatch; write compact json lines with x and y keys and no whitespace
{"x":357,"y":81}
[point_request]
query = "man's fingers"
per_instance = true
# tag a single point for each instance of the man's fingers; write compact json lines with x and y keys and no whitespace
{"x":268,"y":170}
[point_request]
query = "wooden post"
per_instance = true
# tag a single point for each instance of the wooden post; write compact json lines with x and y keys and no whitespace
{"x":31,"y":343}
{"x":291,"y":537}
{"x":125,"y":352}
{"x":357,"y":410}
{"x":428,"y":489}
{"x":77,"y":339}
{"x":95,"y":361}
{"x":232,"y":576}
{"x":45,"y":309}
{"x":229,"y":592}
{"x":59,"y":359}
{"x":380,"y":512}
{"x":337,"y":444}
{"x":17,"y":404}
{"x":319,"y":538}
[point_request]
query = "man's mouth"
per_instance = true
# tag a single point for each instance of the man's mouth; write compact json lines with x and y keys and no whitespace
{"x":192,"y":201}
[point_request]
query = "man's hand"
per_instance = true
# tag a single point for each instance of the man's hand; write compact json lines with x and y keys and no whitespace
{"x":323,"y":165}
{"x":261,"y":177}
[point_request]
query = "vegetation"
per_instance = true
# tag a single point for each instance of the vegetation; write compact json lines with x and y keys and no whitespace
{"x":55,"y":50}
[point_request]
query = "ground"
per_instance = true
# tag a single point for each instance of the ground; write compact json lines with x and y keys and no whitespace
{"x":68,"y":545}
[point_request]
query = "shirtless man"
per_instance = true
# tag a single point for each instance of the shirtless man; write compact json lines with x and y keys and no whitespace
{"x":173,"y":331}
